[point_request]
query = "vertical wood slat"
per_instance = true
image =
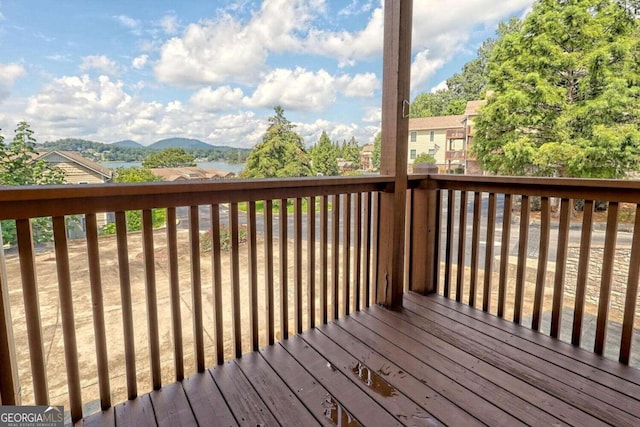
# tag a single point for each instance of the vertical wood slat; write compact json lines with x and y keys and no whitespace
{"x":558,"y":286}
{"x":489,"y":248}
{"x":216,"y":266}
{"x":335,"y":248}
{"x":346,"y":254}
{"x":152,"y":300}
{"x":284,"y":288}
{"x":32,"y":311}
{"x":97,"y":303}
{"x":437,"y":238}
{"x":196,"y":286}
{"x":543,"y":253}
{"x":366,"y":244}
{"x":632,"y":293}
{"x":127,"y":308}
{"x":9,"y":381}
{"x":432,"y":257}
{"x":324,"y":261}
{"x":451,"y":205}
{"x":504,"y":254}
{"x":607,"y":276}
{"x":375,"y":240}
{"x":521,"y":269}
{"x":174,"y":286}
{"x":475,"y":248}
{"x":311,"y":261}
{"x":358,"y":252}
{"x":253,"y":274}
{"x":268,"y":256}
{"x":235,"y":278}
{"x":67,"y":314}
{"x":297,"y":268}
{"x":583,"y":271}
{"x":462,"y":240}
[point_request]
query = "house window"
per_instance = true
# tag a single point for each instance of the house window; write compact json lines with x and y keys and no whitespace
{"x":431,"y":151}
{"x":414,"y":136}
{"x":432,"y":135}
{"x":413,"y":154}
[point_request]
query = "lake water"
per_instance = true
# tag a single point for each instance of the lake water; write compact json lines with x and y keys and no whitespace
{"x":223,"y":166}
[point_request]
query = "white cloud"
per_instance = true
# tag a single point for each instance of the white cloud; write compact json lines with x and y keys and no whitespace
{"x":360,"y":85}
{"x":422,"y":68}
{"x":356,"y":7}
{"x":139,"y":62}
{"x":336,"y":131}
{"x":222,"y":98}
{"x":169,"y":24}
{"x":440,"y":86}
{"x":100,"y":63}
{"x":373,"y":115}
{"x":128,"y":22}
{"x":10,"y":73}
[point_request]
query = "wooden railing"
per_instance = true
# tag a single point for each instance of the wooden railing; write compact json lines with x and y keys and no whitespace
{"x":538,"y":251}
{"x":238,"y":297}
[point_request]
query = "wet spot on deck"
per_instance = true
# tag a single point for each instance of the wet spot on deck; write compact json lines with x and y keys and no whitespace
{"x":373,"y":380}
{"x":335,"y":412}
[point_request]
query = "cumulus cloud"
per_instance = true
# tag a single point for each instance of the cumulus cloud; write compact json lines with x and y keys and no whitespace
{"x":100,"y":63}
{"x":336,"y":131}
{"x":222,"y":98}
{"x":128,"y":22}
{"x":169,"y":24}
{"x":373,"y":115}
{"x":360,"y":85}
{"x":139,"y":62}
{"x":10,"y":73}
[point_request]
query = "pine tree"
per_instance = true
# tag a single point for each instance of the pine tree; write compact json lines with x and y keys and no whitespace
{"x":324,"y":156}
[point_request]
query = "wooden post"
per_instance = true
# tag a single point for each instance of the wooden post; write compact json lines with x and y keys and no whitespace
{"x":395,"y":134}
{"x":422,"y":233}
{"x":9,"y":385}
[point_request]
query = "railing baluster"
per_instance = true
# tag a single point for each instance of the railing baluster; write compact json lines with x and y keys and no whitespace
{"x":504,"y":254}
{"x":311,"y":261}
{"x":235,"y":278}
{"x":268,"y":255}
{"x":335,"y":246}
{"x":632,"y":293}
{"x":346,"y":254}
{"x":583,"y":270}
{"x":174,"y":285}
{"x":543,"y":253}
{"x":297,"y":231}
{"x":196,"y":286}
{"x":253,"y":274}
{"x":375,"y":232}
{"x":32,"y":311}
{"x":9,"y":381}
{"x":95,"y":278}
{"x":216,"y":267}
{"x":558,"y":286}
{"x":607,"y":273}
{"x":475,"y":248}
{"x":324,"y":261}
{"x":462,"y":240}
{"x":358,"y":252}
{"x":488,"y":257}
{"x":521,"y":270}
{"x":66,"y":311}
{"x":152,"y":300}
{"x":437,"y":238}
{"x":127,"y":308}
{"x":366,"y":246}
{"x":284,"y":288}
{"x":451,"y":205}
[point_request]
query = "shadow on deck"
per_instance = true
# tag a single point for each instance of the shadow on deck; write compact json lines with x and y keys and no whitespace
{"x":435,"y":362}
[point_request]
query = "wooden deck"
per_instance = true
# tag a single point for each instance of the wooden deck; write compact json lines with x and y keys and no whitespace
{"x":435,"y":362}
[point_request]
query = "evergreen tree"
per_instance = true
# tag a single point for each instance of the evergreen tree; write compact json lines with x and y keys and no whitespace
{"x":281,"y":152}
{"x":351,"y":152}
{"x":375,"y":155}
{"x":567,"y":93}
{"x":169,"y":158}
{"x":324,"y":156}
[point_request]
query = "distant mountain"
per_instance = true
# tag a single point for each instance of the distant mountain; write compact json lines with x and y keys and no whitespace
{"x":186,"y":143}
{"x":128,"y":143}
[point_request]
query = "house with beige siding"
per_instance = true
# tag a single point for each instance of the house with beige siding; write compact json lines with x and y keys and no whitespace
{"x":78,"y":169}
{"x":442,"y":137}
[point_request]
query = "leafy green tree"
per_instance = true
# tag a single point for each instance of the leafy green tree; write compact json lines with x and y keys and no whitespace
{"x":169,"y":158}
{"x":324,"y":156}
{"x":19,"y":165}
{"x":134,"y":218}
{"x":424,"y":158}
{"x":281,"y":152}
{"x":375,"y":155}
{"x":440,"y":103}
{"x":350,"y":151}
{"x":567,"y":97}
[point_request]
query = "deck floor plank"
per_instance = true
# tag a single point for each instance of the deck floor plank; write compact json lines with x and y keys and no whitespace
{"x":242,"y":398}
{"x":280,"y":399}
{"x":343,"y":393}
{"x":309,"y":391}
{"x":207,"y":401}
{"x":419,"y":392}
{"x":433,"y":362}
{"x":372,"y":381}
{"x":543,"y":373}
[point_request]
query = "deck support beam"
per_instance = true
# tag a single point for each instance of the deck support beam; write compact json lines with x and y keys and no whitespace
{"x":396,"y":87}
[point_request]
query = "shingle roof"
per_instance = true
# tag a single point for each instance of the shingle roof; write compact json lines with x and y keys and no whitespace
{"x":79,"y":159}
{"x":440,"y":122}
{"x":473,"y":107}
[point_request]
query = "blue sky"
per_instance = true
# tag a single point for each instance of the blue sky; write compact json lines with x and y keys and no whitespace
{"x":213,"y":70}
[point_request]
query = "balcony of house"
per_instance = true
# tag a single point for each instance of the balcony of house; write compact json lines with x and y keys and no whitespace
{"x":256,"y":303}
